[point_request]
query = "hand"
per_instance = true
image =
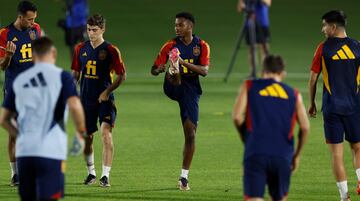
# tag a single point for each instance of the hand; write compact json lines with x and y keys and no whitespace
{"x":312,"y":110}
{"x":295,"y":163}
{"x":104,"y":96}
{"x":160,"y":69}
{"x":10,"y":48}
{"x":181,"y":61}
{"x":241,"y":6}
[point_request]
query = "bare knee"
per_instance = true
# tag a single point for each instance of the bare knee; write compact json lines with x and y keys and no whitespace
{"x":355,"y":147}
{"x":190,"y":138}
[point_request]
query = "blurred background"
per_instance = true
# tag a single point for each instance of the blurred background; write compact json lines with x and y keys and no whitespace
{"x":140,"y":27}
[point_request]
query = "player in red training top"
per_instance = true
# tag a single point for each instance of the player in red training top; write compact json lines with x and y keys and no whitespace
{"x":338,"y":59}
{"x":189,"y":58}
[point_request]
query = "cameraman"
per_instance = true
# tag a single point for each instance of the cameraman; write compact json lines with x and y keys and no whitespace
{"x":258,"y":12}
{"x":74,"y":24}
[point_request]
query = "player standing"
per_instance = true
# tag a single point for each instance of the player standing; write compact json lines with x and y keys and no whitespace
{"x":40,"y":96}
{"x":257,"y":13}
{"x":190,"y":57}
{"x":97,"y":61}
{"x":16,"y":57}
{"x":265,"y":114}
{"x":338,"y":58}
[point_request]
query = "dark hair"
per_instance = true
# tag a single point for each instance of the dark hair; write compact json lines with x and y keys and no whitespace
{"x":273,"y":64}
{"x":42,"y":46}
{"x":335,"y":16}
{"x":96,"y":20}
{"x":187,"y":16}
{"x":25,"y":6}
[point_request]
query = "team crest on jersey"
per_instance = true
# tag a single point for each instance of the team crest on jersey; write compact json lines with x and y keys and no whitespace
{"x":102,"y":54}
{"x":196,"y":51}
{"x":84,"y":54}
{"x":14,"y":39}
{"x":32,"y":35}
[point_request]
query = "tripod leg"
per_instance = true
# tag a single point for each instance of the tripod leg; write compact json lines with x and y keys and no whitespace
{"x":252,"y":40}
{"x":233,"y":57}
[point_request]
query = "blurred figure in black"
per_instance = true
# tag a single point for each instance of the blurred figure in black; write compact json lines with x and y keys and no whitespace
{"x":74,"y":25}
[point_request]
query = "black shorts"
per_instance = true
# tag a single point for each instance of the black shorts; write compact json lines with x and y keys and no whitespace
{"x":337,"y":127}
{"x":262,"y":34}
{"x":188,"y":100}
{"x":262,"y":170}
{"x":40,"y":178}
{"x":103,"y":112}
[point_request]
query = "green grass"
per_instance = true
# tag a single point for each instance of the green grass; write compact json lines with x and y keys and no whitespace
{"x":148,"y":143}
{"x":148,"y":136}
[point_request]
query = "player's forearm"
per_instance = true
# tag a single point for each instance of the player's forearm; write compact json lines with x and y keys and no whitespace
{"x":239,"y":111}
{"x":201,"y":70}
{"x":76,"y":75}
{"x":302,"y":137}
{"x":5,"y":121}
{"x":120,"y":78}
{"x":304,"y":124}
{"x":5,"y":62}
{"x":312,"y":87}
{"x":154,"y":71}
{"x":12,"y":130}
{"x":241,"y":129}
{"x":77,"y":113}
{"x":312,"y":92}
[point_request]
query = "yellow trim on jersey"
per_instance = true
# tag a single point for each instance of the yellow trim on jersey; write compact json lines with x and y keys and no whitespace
{"x":63,"y":166}
{"x":1,"y":30}
{"x":325,"y":75}
{"x":118,"y":51}
{"x":348,"y":52}
{"x":112,"y":72}
{"x":358,"y":80}
{"x":167,"y":43}
{"x":208,"y":49}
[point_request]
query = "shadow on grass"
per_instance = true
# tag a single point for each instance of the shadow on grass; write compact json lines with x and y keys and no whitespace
{"x":142,"y":194}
